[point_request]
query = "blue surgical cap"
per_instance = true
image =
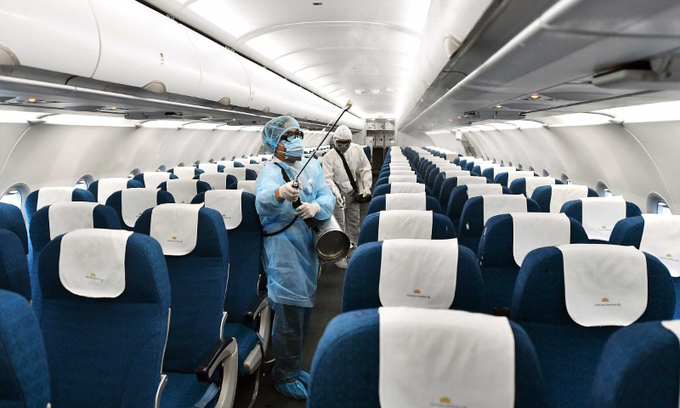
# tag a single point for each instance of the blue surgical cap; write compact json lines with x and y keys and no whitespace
{"x":275,"y":128}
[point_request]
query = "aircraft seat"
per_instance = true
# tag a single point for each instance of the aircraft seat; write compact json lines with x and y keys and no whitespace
{"x":399,"y":179}
{"x":186,"y":172}
{"x":440,"y":177}
{"x":14,"y":276}
{"x":519,"y":186}
{"x":152,"y":179}
{"x":405,"y":224}
{"x":135,"y":202}
{"x":506,"y":179}
{"x":600,"y":215}
{"x":12,"y":220}
{"x":50,"y":195}
{"x":246,"y":185}
{"x":448,"y":184}
{"x":461,"y":194}
{"x":184,"y":190}
{"x":110,"y":186}
{"x":552,"y":198}
{"x":401,"y":188}
{"x":404,"y":201}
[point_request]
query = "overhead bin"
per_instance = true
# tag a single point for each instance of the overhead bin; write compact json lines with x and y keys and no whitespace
{"x":43,"y":37}
{"x":141,"y":47}
{"x":264,"y":88}
{"x":223,"y":78}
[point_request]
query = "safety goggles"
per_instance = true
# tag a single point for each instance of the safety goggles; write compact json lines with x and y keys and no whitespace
{"x":343,"y":142}
{"x":293,"y":135}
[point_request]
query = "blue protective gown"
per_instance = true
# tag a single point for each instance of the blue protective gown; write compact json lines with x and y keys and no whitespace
{"x":290,"y":257}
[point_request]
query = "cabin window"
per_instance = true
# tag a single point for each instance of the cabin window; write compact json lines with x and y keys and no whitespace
{"x":502,"y":162}
{"x":603,"y":189}
{"x":197,"y":162}
{"x":531,"y":168}
{"x":133,"y":173}
{"x":13,"y":196}
{"x":661,"y":208}
{"x":565,"y":178}
{"x":84,"y":182}
{"x":607,"y":192}
{"x":211,"y":160}
{"x":161,"y":168}
{"x":509,"y":164}
{"x":519,"y":166}
{"x":180,"y":164}
{"x":546,"y":173}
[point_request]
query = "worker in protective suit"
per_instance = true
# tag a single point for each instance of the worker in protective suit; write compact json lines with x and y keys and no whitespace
{"x":347,"y":209}
{"x":290,"y":257}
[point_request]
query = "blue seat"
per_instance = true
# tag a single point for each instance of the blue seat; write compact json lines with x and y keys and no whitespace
{"x":196,"y":172}
{"x":640,"y":367}
{"x":250,"y":175}
{"x":386,"y":173}
{"x":569,"y":352}
{"x":105,"y":350}
{"x":574,"y":209}
{"x":181,"y":190}
{"x":198,"y":280}
{"x":491,"y":173}
{"x":497,"y":261}
{"x":24,"y":374}
{"x":378,"y":204}
{"x":115,"y":202}
{"x":14,"y":275}
{"x":445,"y":192}
{"x":542,"y":195}
{"x":502,"y":178}
{"x":439,"y":181}
{"x":102,"y":217}
{"x":457,"y":200}
{"x":519,"y":186}
{"x":346,"y":366}
{"x":472,"y":221}
{"x":386,"y":180}
{"x":362,"y":279}
{"x":246,"y":308}
{"x":94,"y":189}
{"x":442,"y":228}
{"x":31,"y":205}
{"x":387,"y":189}
{"x":211,"y":167}
{"x":12,"y":219}
{"x":156,"y":178}
{"x":246,"y":185}
{"x":433,"y":176}
{"x":367,"y":150}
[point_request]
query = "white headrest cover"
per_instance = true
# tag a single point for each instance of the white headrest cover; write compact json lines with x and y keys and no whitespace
{"x":238,"y":172}
{"x":406,"y":201}
{"x":532,"y":183}
{"x":474,"y":190}
{"x":512,"y":176}
{"x":257,"y":168}
{"x":175,"y":227}
{"x":467,"y":180}
{"x":449,"y":167}
{"x":108,"y":186}
{"x":456,"y":173}
{"x":497,"y":169}
{"x":228,"y":164}
{"x":65,"y":217}
{"x":561,"y":193}
{"x":51,"y":195}
{"x":445,"y":358}
{"x":600,"y":214}
{"x":537,"y":230}
{"x":402,"y":179}
{"x":228,"y":204}
{"x":154,"y":179}
{"x":182,"y":190}
{"x":184,"y":172}
{"x":604,"y":285}
{"x":402,"y":172}
{"x":92,"y":262}
{"x":396,"y":188}
{"x":208,"y":167}
{"x":418,"y":273}
{"x":242,"y":160}
{"x":661,"y":238}
{"x":503,"y":204}
{"x":217,"y":181}
{"x":248,"y":186}
{"x":135,"y":201}
{"x":405,"y":224}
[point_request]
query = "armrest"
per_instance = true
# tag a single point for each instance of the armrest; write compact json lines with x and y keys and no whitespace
{"x":220,"y":352}
{"x":255,"y":308}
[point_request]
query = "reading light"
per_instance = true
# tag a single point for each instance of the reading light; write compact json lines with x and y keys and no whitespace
{"x":499,"y":106}
{"x":31,"y":99}
{"x":535,"y":96}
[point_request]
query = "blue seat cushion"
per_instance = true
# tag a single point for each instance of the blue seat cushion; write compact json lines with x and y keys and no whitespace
{"x":184,"y":390}
{"x":246,"y":338}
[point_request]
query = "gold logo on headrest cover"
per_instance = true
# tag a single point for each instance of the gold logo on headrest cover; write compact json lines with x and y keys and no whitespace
{"x":668,"y":255}
{"x":174,"y":237}
{"x":93,"y":275}
{"x":445,"y":400}
{"x":417,"y":291}
{"x":605,"y":300}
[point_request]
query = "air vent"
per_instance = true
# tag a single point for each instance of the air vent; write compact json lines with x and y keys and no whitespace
{"x":225,"y":101}
{"x":317,"y":3}
{"x":155,"y":86}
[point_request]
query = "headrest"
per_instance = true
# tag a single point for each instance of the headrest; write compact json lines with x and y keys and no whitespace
{"x":182,"y":190}
{"x":175,"y":227}
{"x":604,"y":285}
{"x":257,"y":168}
{"x":537,"y":230}
{"x":406,"y":201}
{"x":498,"y":169}
{"x":51,"y":195}
{"x":248,"y":186}
{"x":599,"y":215}
{"x":208,"y":167}
{"x":403,"y":224}
{"x":400,"y":165}
{"x":403,"y":179}
{"x":14,"y":274}
{"x":228,"y":164}
{"x":456,"y":173}
{"x":512,"y":176}
{"x":65,"y":217}
{"x":561,"y":193}
{"x":92,"y":262}
{"x":476,"y":352}
{"x":108,"y":186}
{"x":238,"y":172}
{"x":228,"y":204}
{"x":218,"y":181}
{"x":398,"y":188}
{"x":474,"y":190}
{"x":661,"y":238}
{"x":11,"y":219}
{"x":448,"y":167}
{"x":418,"y":273}
{"x":402,"y":172}
{"x":483,"y":165}
{"x":184,"y":172}
{"x":155,"y":178}
{"x":532,"y":183}
{"x":467,"y":180}
{"x":134,"y":201}
{"x":242,"y":160}
{"x":503,"y":204}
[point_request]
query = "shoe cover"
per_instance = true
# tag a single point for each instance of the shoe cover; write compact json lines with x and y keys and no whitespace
{"x":304,"y":377}
{"x":293,"y":390}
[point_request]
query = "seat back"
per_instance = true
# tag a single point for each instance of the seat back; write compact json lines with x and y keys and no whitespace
{"x":361,"y":289}
{"x":12,"y":219}
{"x":24,"y":373}
{"x":387,"y":189}
{"x":186,"y":172}
{"x":198,"y":278}
{"x":14,"y":276}
{"x":459,"y":196}
{"x":103,"y":188}
{"x":449,"y":184}
{"x":568,"y":351}
{"x":544,"y":196}
{"x":210,"y":167}
{"x":246,"y":185}
{"x":152,"y":179}
{"x":350,"y":348}
{"x":183,"y":190}
{"x":237,"y":173}
{"x":53,"y":195}
{"x":379,"y":204}
{"x":104,"y":342}
{"x":136,"y":203}
{"x":506,"y":179}
{"x":442,"y":228}
{"x":605,"y":223}
{"x":520,"y":185}
{"x":245,"y":247}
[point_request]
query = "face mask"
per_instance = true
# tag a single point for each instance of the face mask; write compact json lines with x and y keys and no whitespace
{"x":343,"y":147}
{"x":294,"y":148}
